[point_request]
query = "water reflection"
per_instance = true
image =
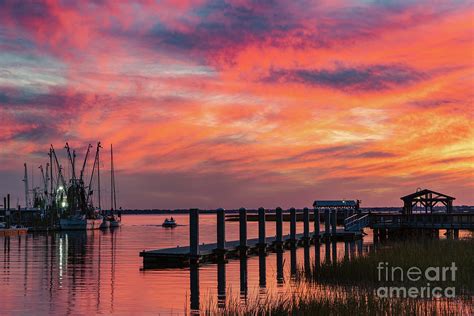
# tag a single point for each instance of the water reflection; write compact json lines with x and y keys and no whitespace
{"x":243,"y":278}
{"x":293,"y":261}
{"x":346,"y":249}
{"x":194,"y":283}
{"x":279,"y":259}
{"x":221,"y":284}
{"x":307,"y":260}
{"x":317,"y":253}
{"x":359,"y":246}
{"x":328,"y":251}
{"x":98,"y":271}
{"x":262,"y":271}
{"x":334,"y":251}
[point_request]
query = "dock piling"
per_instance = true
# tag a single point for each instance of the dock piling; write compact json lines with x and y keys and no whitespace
{"x":327,"y":222}
{"x":279,"y":227}
{"x":5,"y":210}
{"x":334,"y":222}
{"x":221,"y":231}
{"x":292,"y":225}
{"x":194,"y":234}
{"x":306,"y":225}
{"x":456,"y":233}
{"x":261,"y":228}
{"x":9,"y":218}
{"x":316,"y":224}
{"x":243,"y":230}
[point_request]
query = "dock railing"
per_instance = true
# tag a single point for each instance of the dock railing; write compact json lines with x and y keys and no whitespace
{"x":430,"y":220}
{"x":356,"y":222}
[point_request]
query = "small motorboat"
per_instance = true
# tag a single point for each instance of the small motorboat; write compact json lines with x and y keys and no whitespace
{"x":114,"y":221}
{"x":169,"y":223}
{"x":105,"y":223}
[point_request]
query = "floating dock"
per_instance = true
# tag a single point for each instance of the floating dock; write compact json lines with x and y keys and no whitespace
{"x":195,"y":253}
{"x":181,"y":256}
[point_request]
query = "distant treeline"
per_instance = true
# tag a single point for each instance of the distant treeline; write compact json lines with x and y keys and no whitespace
{"x":463,"y":208}
{"x":250,"y":211}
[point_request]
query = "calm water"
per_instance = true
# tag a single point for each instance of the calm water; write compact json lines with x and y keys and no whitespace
{"x":101,"y":272}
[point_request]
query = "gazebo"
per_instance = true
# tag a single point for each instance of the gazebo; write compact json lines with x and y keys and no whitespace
{"x":427,"y":199}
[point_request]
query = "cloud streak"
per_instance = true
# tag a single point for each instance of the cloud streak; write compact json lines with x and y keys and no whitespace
{"x":350,"y":79}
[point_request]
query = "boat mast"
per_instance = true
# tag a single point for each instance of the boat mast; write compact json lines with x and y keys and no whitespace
{"x":111,"y":180}
{"x":45,"y":179}
{"x":25,"y":179}
{"x":115,"y":194}
{"x":58,"y":166}
{"x":72,"y":159}
{"x":51,"y":176}
{"x":96,"y":163}
{"x":113,"y":199}
{"x":85,"y":161}
{"x":98,"y":173}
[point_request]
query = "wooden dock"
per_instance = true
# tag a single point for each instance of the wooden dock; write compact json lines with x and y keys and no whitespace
{"x":180,"y":256}
{"x":195,"y":252}
{"x":382,"y":224}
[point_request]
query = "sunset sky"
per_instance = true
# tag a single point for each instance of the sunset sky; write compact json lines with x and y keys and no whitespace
{"x":244,"y":103}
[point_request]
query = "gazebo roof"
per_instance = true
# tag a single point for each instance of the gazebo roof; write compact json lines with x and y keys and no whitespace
{"x":425,"y":192}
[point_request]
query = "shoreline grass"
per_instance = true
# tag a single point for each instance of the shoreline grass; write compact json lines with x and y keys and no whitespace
{"x":423,"y":253}
{"x":348,"y":287}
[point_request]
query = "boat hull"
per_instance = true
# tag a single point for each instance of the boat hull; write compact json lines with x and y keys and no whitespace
{"x":79,"y":224}
{"x":115,"y":223}
{"x":105,"y":224}
{"x":168,"y":225}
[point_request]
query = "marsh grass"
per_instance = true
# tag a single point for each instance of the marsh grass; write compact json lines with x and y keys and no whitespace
{"x":339,"y":300}
{"x":363,"y":271}
{"x":348,"y":287}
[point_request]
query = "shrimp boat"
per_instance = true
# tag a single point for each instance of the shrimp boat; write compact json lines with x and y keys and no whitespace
{"x":68,"y":203}
{"x":78,"y":212}
{"x":169,"y":223}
